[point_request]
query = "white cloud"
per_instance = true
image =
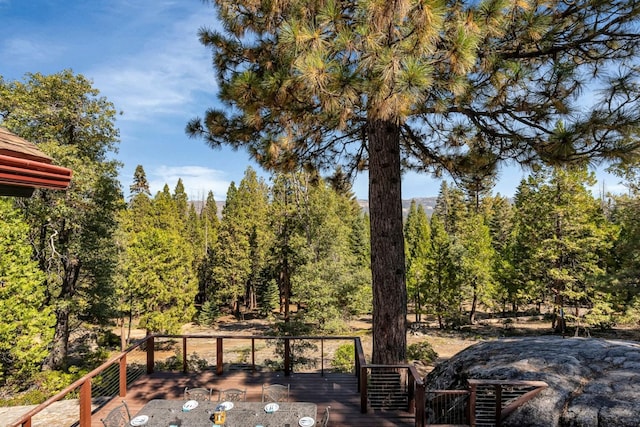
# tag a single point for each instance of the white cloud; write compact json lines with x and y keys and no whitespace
{"x":163,"y":76}
{"x":197,"y":181}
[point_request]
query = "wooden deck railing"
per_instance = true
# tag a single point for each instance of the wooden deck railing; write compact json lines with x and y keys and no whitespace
{"x":376,"y":383}
{"x":485,"y":402}
{"x":83,"y":386}
{"x":502,"y":397}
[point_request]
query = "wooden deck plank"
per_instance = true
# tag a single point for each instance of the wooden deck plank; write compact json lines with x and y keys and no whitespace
{"x":339,"y":391}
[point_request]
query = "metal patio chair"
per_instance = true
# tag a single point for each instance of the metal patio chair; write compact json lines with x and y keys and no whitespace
{"x":232,"y":395}
{"x":118,"y":416}
{"x":275,"y":393}
{"x":200,"y":394}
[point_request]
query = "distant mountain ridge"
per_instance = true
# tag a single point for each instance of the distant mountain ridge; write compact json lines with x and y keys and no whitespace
{"x":428,"y":204}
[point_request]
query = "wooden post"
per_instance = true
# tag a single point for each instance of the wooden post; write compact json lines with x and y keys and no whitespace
{"x":498,"y":389}
{"x":85,"y":403}
{"x":150,"y":355}
{"x":411,"y":393}
{"x":420,"y":402}
{"x":253,"y":354}
{"x":287,"y":357}
{"x":471,"y":406}
{"x":219,"y":360}
{"x":356,"y":358}
{"x":184,"y":355}
{"x":363,"y":389}
{"x":322,"y":357}
{"x":123,"y":376}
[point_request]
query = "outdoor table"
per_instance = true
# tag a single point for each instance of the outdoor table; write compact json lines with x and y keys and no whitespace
{"x":165,"y":413}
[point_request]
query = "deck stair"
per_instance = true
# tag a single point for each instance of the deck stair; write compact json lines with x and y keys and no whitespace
{"x":485,"y":407}
{"x":386,"y":390}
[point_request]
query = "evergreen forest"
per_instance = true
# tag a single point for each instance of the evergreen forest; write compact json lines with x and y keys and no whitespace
{"x":295,"y":251}
{"x":316,"y":94}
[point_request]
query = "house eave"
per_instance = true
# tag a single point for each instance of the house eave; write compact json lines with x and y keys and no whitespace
{"x":24,"y":168}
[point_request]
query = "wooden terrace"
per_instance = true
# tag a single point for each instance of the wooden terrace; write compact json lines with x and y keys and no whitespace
{"x":358,"y":393}
{"x":339,"y":391}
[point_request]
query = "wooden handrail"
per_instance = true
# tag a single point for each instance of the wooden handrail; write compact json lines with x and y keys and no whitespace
{"x":520,"y":401}
{"x":25,"y":420}
{"x":502,"y":413}
{"x":84,"y":383}
{"x":531,"y":383}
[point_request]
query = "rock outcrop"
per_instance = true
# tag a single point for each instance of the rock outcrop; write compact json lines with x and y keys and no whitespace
{"x":592,"y":382}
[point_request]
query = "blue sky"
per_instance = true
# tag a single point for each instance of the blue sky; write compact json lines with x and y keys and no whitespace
{"x":144,"y":57}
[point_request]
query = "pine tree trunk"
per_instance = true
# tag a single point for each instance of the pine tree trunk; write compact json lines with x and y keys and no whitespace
{"x":559,"y":323}
{"x":474,"y":305}
{"x":58,"y":354}
{"x":387,"y":244}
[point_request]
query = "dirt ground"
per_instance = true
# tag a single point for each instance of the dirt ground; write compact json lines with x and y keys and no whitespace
{"x":446,"y":343}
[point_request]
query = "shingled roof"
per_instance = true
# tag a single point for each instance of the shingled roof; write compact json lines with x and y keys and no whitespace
{"x":23,"y":167}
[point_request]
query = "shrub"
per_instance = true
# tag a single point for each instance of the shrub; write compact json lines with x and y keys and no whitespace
{"x":601,"y":316}
{"x":455,"y":321}
{"x":43,"y":385}
{"x":107,"y":338}
{"x":344,"y":358}
{"x":422,"y":351}
{"x":208,"y":314}
{"x":632,"y":314}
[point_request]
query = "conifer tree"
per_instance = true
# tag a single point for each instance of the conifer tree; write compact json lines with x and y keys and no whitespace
{"x":477,"y":173}
{"x":232,"y":265}
{"x":27,"y":326}
{"x":381,"y":84}
{"x":563,"y":235}
{"x":210,"y":224}
{"x":140,"y":184}
{"x":450,"y":207}
{"x":71,"y":231}
{"x":240,"y":255}
{"x":474,"y":260}
{"x":253,"y":196}
{"x":313,"y":244}
{"x":418,"y":245}
{"x":500,"y":219}
{"x":210,"y":220}
{"x":624,"y":267}
{"x":285,"y":250}
{"x":441,"y":295}
{"x":180,"y":199}
{"x":159,"y":283}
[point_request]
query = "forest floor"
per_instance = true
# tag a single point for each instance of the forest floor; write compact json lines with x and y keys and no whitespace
{"x":445,"y":342}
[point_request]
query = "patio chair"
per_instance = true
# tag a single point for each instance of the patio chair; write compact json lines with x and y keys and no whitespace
{"x":118,"y":416}
{"x":275,"y":393}
{"x":232,"y":395}
{"x":324,"y":422}
{"x":200,"y":394}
